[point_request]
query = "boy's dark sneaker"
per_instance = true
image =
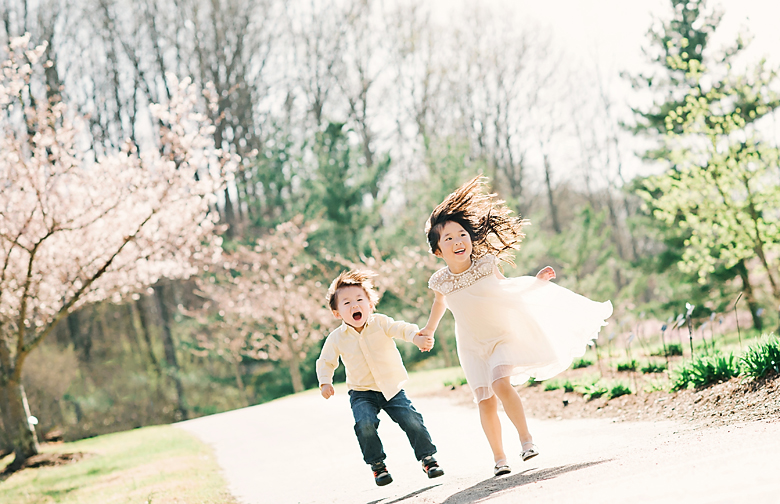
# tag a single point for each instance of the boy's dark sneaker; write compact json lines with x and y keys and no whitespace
{"x":381,"y":476}
{"x":431,"y":467}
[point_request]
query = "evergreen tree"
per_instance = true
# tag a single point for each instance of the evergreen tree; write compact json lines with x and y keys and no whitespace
{"x":716,"y":195}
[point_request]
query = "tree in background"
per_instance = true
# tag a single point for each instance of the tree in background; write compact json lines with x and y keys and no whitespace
{"x":716,"y":198}
{"x":269,"y":302}
{"x":74,"y":231}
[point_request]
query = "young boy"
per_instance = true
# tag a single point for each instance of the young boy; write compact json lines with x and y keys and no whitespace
{"x":375,"y":371}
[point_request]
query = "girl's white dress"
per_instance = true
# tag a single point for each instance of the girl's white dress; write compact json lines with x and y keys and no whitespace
{"x":521,"y":327}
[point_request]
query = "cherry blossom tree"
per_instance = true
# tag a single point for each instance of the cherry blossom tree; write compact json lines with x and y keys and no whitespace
{"x":76,"y":228}
{"x":270,"y":302}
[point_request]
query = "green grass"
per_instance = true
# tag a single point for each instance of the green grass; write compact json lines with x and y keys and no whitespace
{"x":653,"y":367}
{"x":551,"y":385}
{"x":581,"y":363}
{"x":591,"y":390}
{"x":672,"y":349}
{"x":706,"y":370}
{"x":149,"y":465}
{"x":626,"y":366}
{"x":618,"y":389}
{"x":762,"y":359}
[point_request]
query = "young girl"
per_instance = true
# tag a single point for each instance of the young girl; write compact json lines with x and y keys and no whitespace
{"x":505,"y":327}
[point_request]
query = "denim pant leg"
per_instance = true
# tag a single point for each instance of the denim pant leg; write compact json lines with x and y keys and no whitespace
{"x":365,"y":408}
{"x":400,"y":409}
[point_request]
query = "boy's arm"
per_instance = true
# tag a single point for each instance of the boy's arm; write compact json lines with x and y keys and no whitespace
{"x":406,"y":331}
{"x":326,"y":365}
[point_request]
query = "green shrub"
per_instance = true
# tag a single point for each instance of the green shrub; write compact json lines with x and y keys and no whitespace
{"x":707,"y":370}
{"x":762,"y":359}
{"x":551,"y":385}
{"x":581,"y":363}
{"x":627,"y":366}
{"x":567,"y":386}
{"x":618,"y":390}
{"x":591,"y":390}
{"x":656,"y":386}
{"x":532,"y":382}
{"x":654,"y":367}
{"x":672,"y":349}
{"x":455,"y":383}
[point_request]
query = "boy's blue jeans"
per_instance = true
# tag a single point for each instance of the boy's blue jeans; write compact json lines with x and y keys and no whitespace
{"x":366,"y":405}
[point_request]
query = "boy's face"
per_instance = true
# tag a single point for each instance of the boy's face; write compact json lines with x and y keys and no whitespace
{"x":353,"y":306}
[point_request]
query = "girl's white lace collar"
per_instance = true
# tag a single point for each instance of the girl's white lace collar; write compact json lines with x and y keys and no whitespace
{"x":446,"y":282}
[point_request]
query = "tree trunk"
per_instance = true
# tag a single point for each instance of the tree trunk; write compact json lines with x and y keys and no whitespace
{"x":749,"y":296}
{"x":295,"y":373}
{"x":170,"y":352}
{"x":144,"y":321}
{"x":15,"y":411}
{"x":551,"y":201}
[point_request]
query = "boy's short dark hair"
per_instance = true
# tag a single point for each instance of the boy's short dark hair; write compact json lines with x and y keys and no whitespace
{"x":359,"y":278}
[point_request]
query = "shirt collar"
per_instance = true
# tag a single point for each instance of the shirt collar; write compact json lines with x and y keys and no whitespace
{"x":349,"y":329}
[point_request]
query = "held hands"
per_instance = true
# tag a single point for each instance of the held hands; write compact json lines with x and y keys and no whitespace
{"x":546,"y":273}
{"x":424,"y":340}
{"x":327,"y":390}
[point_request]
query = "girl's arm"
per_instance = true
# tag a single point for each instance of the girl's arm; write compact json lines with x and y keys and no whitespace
{"x":437,"y":312}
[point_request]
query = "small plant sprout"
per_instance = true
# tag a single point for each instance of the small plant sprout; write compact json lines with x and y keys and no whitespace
{"x":712,"y":329}
{"x":663,"y":344}
{"x":689,"y":307}
{"x":736,"y":315}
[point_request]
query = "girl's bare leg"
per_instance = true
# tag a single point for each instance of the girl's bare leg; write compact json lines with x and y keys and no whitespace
{"x":488,"y":415}
{"x":513,"y":407}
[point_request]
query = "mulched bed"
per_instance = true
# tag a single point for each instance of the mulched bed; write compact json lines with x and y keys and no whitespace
{"x":725,"y":403}
{"x":46,"y":460}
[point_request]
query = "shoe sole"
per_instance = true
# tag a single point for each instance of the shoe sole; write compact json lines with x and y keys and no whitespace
{"x":529,"y":457}
{"x":384,"y":480}
{"x":503,"y":472}
{"x":435,"y":473}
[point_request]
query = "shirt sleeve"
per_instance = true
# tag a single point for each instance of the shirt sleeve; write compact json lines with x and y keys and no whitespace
{"x":328,"y":361}
{"x":398,"y":329}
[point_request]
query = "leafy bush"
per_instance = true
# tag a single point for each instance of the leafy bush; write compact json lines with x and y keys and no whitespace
{"x":591,"y":390}
{"x":627,"y":366}
{"x":581,"y":363}
{"x":656,"y":386}
{"x":551,"y":385}
{"x":704,"y":371}
{"x":672,"y":349}
{"x":455,"y":383}
{"x":532,"y":382}
{"x":568,"y":386}
{"x":618,"y":389}
{"x":654,"y":367}
{"x":762,"y":359}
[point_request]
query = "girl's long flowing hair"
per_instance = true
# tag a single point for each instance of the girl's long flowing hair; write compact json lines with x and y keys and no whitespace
{"x":486,"y":218}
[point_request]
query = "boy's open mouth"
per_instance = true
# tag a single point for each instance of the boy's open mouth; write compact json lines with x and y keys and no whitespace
{"x":357,"y":316}
{"x":460,"y":251}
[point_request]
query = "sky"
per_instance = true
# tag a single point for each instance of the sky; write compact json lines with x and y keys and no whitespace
{"x":613,"y":31}
{"x":605,"y":37}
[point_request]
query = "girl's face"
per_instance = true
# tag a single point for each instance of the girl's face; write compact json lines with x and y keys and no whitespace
{"x":353,"y":306}
{"x":455,"y":247}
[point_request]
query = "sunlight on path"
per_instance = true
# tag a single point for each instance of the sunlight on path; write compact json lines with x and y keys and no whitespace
{"x":302,"y":449}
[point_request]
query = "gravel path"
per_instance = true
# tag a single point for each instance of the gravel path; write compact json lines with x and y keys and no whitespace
{"x":302,"y":449}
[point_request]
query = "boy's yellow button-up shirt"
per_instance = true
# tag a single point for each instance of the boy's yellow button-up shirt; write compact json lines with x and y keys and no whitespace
{"x":370,"y":357}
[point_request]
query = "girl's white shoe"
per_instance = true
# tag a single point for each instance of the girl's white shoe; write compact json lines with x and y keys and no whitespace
{"x":501,"y":468}
{"x":529,"y":452}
